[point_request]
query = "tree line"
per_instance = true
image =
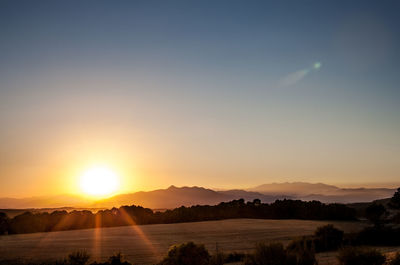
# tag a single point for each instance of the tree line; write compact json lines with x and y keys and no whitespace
{"x":130,"y":215}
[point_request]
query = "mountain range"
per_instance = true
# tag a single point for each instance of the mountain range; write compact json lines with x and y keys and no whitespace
{"x":177,"y":196}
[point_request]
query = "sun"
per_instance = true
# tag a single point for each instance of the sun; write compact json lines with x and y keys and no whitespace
{"x":99,"y":181}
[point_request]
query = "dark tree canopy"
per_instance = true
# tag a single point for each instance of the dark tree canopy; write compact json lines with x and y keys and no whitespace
{"x":374,"y":213}
{"x":131,"y":215}
{"x":395,"y":200}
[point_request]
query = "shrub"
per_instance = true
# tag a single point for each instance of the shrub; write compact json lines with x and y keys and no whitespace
{"x":303,"y":250}
{"x":374,"y":213}
{"x":78,"y":258}
{"x":379,"y":236}
{"x":301,"y":243}
{"x":187,"y":254}
{"x":116,"y":259}
{"x":234,"y":257}
{"x":305,"y":257}
{"x":360,"y":256}
{"x":272,"y":254}
{"x":328,"y":238}
{"x":217,"y":259}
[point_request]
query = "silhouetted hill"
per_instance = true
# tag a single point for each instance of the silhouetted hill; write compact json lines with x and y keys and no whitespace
{"x":295,"y":188}
{"x":323,"y":192}
{"x":177,"y":196}
{"x":185,"y":196}
{"x":251,"y":195}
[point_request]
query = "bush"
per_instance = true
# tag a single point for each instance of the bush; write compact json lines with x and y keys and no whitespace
{"x":302,"y":243}
{"x":305,"y":257}
{"x":187,"y":254}
{"x":395,"y":260}
{"x":234,"y":257}
{"x":217,"y":259}
{"x":303,"y":250}
{"x":374,"y":213}
{"x":78,"y":258}
{"x":272,"y":254}
{"x":220,"y":258}
{"x":275,"y":254}
{"x":328,"y":238}
{"x":379,"y":236}
{"x":360,"y":256}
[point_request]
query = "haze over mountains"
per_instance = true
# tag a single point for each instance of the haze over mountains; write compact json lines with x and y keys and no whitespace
{"x":175,"y":197}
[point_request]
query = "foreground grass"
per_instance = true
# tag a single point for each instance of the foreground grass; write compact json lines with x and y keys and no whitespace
{"x":148,"y":244}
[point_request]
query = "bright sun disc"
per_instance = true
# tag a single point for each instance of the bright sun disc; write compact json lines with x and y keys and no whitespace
{"x":99,"y":181}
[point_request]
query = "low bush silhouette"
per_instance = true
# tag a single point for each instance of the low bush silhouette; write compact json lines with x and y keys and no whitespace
{"x":234,"y":257}
{"x":116,"y":259}
{"x":187,"y":254}
{"x":78,"y":258}
{"x":305,"y":257}
{"x":328,"y":238}
{"x":360,"y":256}
{"x":272,"y":254}
{"x":276,"y":254}
{"x":378,"y":236}
{"x":325,"y":238}
{"x":218,"y":258}
{"x":302,"y":243}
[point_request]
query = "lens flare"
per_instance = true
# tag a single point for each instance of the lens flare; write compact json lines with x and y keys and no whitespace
{"x":317,"y":65}
{"x":295,"y":77}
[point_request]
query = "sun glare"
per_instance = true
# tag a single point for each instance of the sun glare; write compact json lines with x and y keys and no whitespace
{"x":99,"y":181}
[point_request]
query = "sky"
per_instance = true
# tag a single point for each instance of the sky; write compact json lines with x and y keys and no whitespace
{"x":220,"y":94}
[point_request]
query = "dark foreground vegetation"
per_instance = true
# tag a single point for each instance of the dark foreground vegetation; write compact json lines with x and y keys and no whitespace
{"x":264,"y":254}
{"x":129,"y":215}
{"x":353,"y":249}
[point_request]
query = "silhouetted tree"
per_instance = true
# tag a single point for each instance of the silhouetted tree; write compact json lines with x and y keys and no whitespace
{"x":4,"y":222}
{"x":131,"y":215}
{"x":395,"y":200}
{"x":256,"y":202}
{"x":374,"y":213}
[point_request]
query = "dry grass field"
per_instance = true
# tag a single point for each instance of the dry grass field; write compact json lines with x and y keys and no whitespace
{"x":146,"y":244}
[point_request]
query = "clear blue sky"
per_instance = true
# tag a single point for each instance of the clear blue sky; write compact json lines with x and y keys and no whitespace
{"x":208,"y":93}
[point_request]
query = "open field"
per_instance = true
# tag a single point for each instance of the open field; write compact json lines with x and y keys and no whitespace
{"x":145,"y":244}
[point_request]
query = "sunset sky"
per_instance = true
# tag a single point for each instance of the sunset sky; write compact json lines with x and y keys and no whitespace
{"x":220,"y":94}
